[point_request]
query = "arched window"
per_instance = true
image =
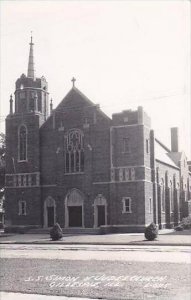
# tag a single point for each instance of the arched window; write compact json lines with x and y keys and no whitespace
{"x":22,"y":208}
{"x":162,"y":196}
{"x":74,"y":151}
{"x":157,"y":174}
{"x":150,"y":205}
{"x":171,"y":197}
{"x":23,"y":143}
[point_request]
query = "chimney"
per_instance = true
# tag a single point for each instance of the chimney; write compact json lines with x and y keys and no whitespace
{"x":174,"y":139}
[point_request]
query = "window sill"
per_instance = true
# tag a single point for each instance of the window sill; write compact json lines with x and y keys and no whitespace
{"x":77,"y":173}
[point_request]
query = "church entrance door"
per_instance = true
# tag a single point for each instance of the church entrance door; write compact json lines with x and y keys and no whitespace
{"x":100,"y":211}
{"x":101,"y":215}
{"x":50,"y":215}
{"x":75,"y":216}
{"x":74,"y":209}
{"x":49,"y":212}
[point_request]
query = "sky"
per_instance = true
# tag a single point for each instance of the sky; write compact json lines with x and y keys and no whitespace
{"x":123,"y":54}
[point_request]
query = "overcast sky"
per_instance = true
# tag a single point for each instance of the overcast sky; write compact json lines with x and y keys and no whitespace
{"x":123,"y":54}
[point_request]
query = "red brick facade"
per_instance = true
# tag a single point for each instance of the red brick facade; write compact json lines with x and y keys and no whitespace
{"x":83,"y":169}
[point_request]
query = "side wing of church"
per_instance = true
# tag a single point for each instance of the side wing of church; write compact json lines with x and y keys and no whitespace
{"x":76,"y":166}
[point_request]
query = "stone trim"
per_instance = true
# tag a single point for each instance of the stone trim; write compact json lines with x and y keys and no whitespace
{"x":12,"y":174}
{"x":32,"y":88}
{"x":22,"y":187}
{"x":75,"y":173}
{"x":48,"y":185}
{"x":130,"y":125}
{"x":135,"y":166}
{"x":22,"y":180}
{"x":108,"y":182}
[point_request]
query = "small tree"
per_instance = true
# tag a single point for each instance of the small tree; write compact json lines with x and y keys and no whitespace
{"x":151,"y":232}
{"x":56,"y":232}
{"x":2,"y":160}
{"x":2,"y":178}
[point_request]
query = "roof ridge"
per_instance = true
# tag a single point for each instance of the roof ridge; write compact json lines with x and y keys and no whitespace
{"x":164,"y":146}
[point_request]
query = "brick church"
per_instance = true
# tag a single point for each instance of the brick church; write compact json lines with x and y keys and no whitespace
{"x":76,"y":166}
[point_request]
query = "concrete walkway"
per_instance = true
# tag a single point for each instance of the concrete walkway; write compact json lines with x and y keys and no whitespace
{"x":22,"y":296}
{"x":165,"y":237}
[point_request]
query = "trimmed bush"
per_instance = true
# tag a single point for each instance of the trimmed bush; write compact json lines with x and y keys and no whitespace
{"x":56,"y":232}
{"x":186,"y":222}
{"x":151,"y":232}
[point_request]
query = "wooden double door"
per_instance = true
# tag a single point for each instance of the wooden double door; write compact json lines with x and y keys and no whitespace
{"x":100,"y":215}
{"x":75,"y":216}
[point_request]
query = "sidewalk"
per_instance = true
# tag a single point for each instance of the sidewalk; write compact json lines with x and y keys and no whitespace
{"x":165,"y":237}
{"x":22,"y":296}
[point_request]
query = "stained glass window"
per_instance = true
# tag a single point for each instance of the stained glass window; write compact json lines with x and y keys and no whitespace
{"x":74,"y":151}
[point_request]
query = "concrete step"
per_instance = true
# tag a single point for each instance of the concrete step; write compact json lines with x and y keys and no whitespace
{"x":66,"y":231}
{"x":39,"y":230}
{"x":81,"y":230}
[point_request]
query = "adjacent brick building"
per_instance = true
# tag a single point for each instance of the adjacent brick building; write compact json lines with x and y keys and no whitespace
{"x":82,"y":169}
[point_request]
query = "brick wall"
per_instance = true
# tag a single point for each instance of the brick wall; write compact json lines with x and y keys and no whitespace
{"x":168,"y":174}
{"x":33,"y":206}
{"x":110,"y":170}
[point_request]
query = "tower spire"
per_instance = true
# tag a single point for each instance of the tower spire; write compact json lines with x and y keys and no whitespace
{"x":31,"y":70}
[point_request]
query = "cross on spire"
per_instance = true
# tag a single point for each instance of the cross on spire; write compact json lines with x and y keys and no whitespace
{"x":73,"y":81}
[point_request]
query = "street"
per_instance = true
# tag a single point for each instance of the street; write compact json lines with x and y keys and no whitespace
{"x":178,"y":254}
{"x":95,"y":271}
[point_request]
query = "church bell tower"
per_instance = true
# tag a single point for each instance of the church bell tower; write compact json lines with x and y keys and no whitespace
{"x":28,"y":111}
{"x":31,"y":94}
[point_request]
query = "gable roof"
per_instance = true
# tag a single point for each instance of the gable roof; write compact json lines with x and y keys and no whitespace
{"x":162,"y":154}
{"x":78,"y":96}
{"x":81,"y":98}
{"x":70,"y":95}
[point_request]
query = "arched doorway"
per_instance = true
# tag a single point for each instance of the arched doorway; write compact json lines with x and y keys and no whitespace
{"x":100,"y":211}
{"x":74,"y":209}
{"x":49,"y":212}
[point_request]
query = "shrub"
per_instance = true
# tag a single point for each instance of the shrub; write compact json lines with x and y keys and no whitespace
{"x":179,"y":228}
{"x":1,"y":225}
{"x":56,"y":232}
{"x":151,"y":232}
{"x":186,"y":222}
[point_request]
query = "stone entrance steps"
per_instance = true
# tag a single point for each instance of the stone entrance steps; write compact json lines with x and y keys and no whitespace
{"x":66,"y":230}
{"x":81,"y":230}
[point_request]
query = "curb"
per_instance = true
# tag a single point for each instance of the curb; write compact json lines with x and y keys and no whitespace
{"x":5,"y":235}
{"x":98,"y":243}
